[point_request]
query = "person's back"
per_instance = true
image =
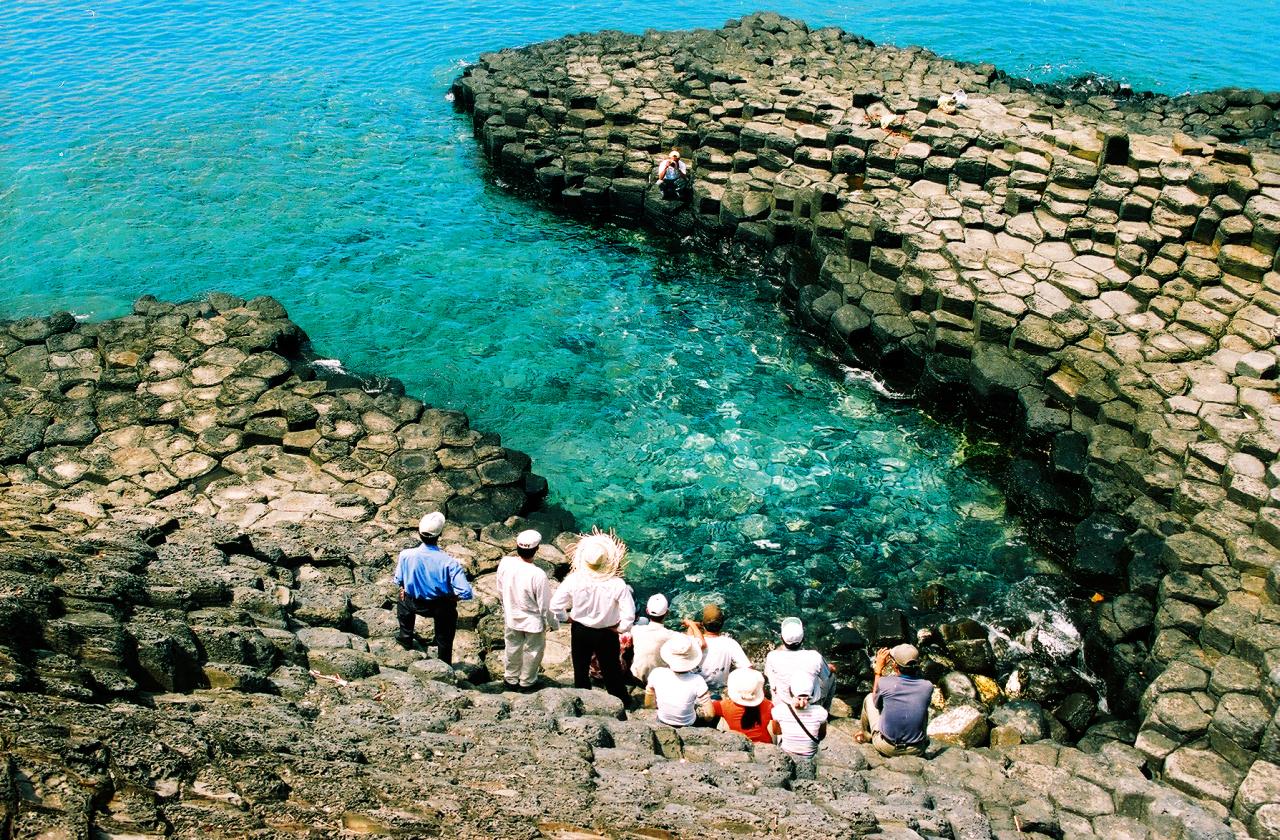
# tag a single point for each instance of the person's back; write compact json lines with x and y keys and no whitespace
{"x":646,"y":644}
{"x":904,"y":709}
{"x":781,"y":664}
{"x":677,"y":695}
{"x":524,"y":590}
{"x":800,"y":726}
{"x":722,"y":655}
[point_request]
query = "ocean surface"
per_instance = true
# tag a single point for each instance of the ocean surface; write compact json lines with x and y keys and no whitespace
{"x":305,"y":149}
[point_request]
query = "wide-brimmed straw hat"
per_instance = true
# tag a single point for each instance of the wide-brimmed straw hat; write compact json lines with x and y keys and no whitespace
{"x":600,"y":555}
{"x":745,"y":686}
{"x":681,"y":653}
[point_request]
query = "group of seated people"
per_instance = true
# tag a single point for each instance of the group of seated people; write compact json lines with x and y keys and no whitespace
{"x":703,"y":676}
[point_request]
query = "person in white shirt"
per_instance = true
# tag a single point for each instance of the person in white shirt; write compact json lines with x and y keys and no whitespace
{"x":677,"y":690}
{"x":791,"y":658}
{"x":720,"y":653}
{"x":647,"y":639}
{"x":800,"y":725}
{"x":601,"y":606}
{"x":526,"y":612}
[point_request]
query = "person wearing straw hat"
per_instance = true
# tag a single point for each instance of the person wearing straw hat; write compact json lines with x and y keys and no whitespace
{"x":745,"y":709}
{"x":647,"y":639}
{"x":431,"y":583}
{"x":526,"y":612}
{"x":600,"y":604}
{"x":677,"y":690}
{"x":895,"y":715}
{"x":800,"y":725}
{"x":793,"y":658}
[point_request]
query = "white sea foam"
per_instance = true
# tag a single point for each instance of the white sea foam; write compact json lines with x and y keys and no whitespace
{"x":857,"y":376}
{"x":330,"y":364}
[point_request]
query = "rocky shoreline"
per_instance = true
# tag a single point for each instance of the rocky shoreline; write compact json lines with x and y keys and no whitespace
{"x":1099,"y":272}
{"x":196,"y":633}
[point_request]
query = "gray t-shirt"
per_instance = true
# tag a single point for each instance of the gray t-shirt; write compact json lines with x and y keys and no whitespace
{"x":904,"y":709}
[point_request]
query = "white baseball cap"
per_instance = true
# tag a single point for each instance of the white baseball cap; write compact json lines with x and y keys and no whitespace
{"x":657,"y":605}
{"x":792,"y":630}
{"x":528,"y":539}
{"x":432,"y":525}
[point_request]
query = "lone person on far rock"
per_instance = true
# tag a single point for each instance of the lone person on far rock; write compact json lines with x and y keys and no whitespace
{"x":431,"y":583}
{"x":673,"y":176}
{"x":895,"y":715}
{"x":526,"y":612}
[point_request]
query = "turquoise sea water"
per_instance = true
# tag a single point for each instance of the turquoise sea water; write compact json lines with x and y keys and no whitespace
{"x":304,"y":148}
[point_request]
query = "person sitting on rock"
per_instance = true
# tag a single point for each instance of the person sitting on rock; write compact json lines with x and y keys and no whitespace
{"x":895,"y":715}
{"x":526,"y":612}
{"x":678,"y":691}
{"x":800,"y":725}
{"x":431,"y":583}
{"x":648,"y":638}
{"x":673,"y":176}
{"x":720,"y":653}
{"x":745,"y":709}
{"x":793,"y":658}
{"x":602,"y":607}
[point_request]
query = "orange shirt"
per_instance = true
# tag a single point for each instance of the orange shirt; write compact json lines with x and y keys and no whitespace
{"x":732,"y":713}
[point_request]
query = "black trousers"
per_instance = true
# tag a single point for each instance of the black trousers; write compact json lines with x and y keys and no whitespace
{"x":585,"y":641}
{"x":442,"y":611}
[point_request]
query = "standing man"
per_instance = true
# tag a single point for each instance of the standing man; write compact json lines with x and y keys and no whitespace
{"x":431,"y":583}
{"x":526,"y":610}
{"x":793,"y":658}
{"x":895,"y":715}
{"x":602,"y":607}
{"x":720,"y":653}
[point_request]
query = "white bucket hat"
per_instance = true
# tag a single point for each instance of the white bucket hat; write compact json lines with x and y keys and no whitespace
{"x":600,"y":555}
{"x":681,"y":653}
{"x":745,"y":686}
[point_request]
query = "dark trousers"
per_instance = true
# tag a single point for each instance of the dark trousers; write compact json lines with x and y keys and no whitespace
{"x":443,"y":611}
{"x":603,"y":643}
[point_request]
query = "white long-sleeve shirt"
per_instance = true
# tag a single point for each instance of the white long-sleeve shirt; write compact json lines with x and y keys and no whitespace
{"x":646,"y":642}
{"x":595,"y":602}
{"x":525,"y":594}
{"x":722,"y":655}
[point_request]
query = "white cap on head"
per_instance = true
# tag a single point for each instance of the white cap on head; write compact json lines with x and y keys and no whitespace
{"x":801,"y":685}
{"x":657,"y":606}
{"x":528,"y":539}
{"x":432,"y":525}
{"x":792,"y":630}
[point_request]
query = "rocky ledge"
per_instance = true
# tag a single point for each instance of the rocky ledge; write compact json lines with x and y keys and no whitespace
{"x":1101,"y":273}
{"x":196,"y":544}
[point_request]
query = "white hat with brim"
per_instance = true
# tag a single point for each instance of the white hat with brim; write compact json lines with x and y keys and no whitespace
{"x":801,"y":685}
{"x":431,"y":525}
{"x":792,"y":630}
{"x":681,"y":653}
{"x":745,"y":687}
{"x":657,"y":606}
{"x":600,"y":555}
{"x":528,"y":539}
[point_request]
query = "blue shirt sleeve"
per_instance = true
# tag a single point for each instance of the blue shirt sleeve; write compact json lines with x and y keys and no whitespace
{"x":399,"y":573}
{"x":458,"y":581}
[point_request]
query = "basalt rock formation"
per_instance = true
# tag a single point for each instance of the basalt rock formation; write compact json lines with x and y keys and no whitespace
{"x":196,"y":546}
{"x":1101,"y":273}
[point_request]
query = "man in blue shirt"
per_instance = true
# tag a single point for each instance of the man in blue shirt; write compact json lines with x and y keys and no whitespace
{"x":895,"y":715}
{"x":431,"y":583}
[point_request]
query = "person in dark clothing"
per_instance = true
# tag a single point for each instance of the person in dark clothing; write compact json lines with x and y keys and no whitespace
{"x":895,"y":715}
{"x":431,"y":583}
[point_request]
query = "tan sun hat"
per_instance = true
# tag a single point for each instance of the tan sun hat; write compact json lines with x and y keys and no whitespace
{"x":600,"y":555}
{"x":745,"y":686}
{"x":681,"y":653}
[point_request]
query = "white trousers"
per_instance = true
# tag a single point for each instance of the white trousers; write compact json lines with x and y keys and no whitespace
{"x":524,"y":656}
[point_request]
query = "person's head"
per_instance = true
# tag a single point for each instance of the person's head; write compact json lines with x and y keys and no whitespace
{"x":745,"y":687}
{"x":801,"y":687}
{"x":657,"y":607}
{"x":792,"y":632}
{"x":430,"y":527}
{"x":681,"y":653}
{"x":712,"y":618}
{"x":675,"y":155}
{"x":906,"y":658}
{"x":527,"y":543}
{"x":600,"y":555}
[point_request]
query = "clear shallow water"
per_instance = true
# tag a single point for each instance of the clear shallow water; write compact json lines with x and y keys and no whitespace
{"x":304,"y":148}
